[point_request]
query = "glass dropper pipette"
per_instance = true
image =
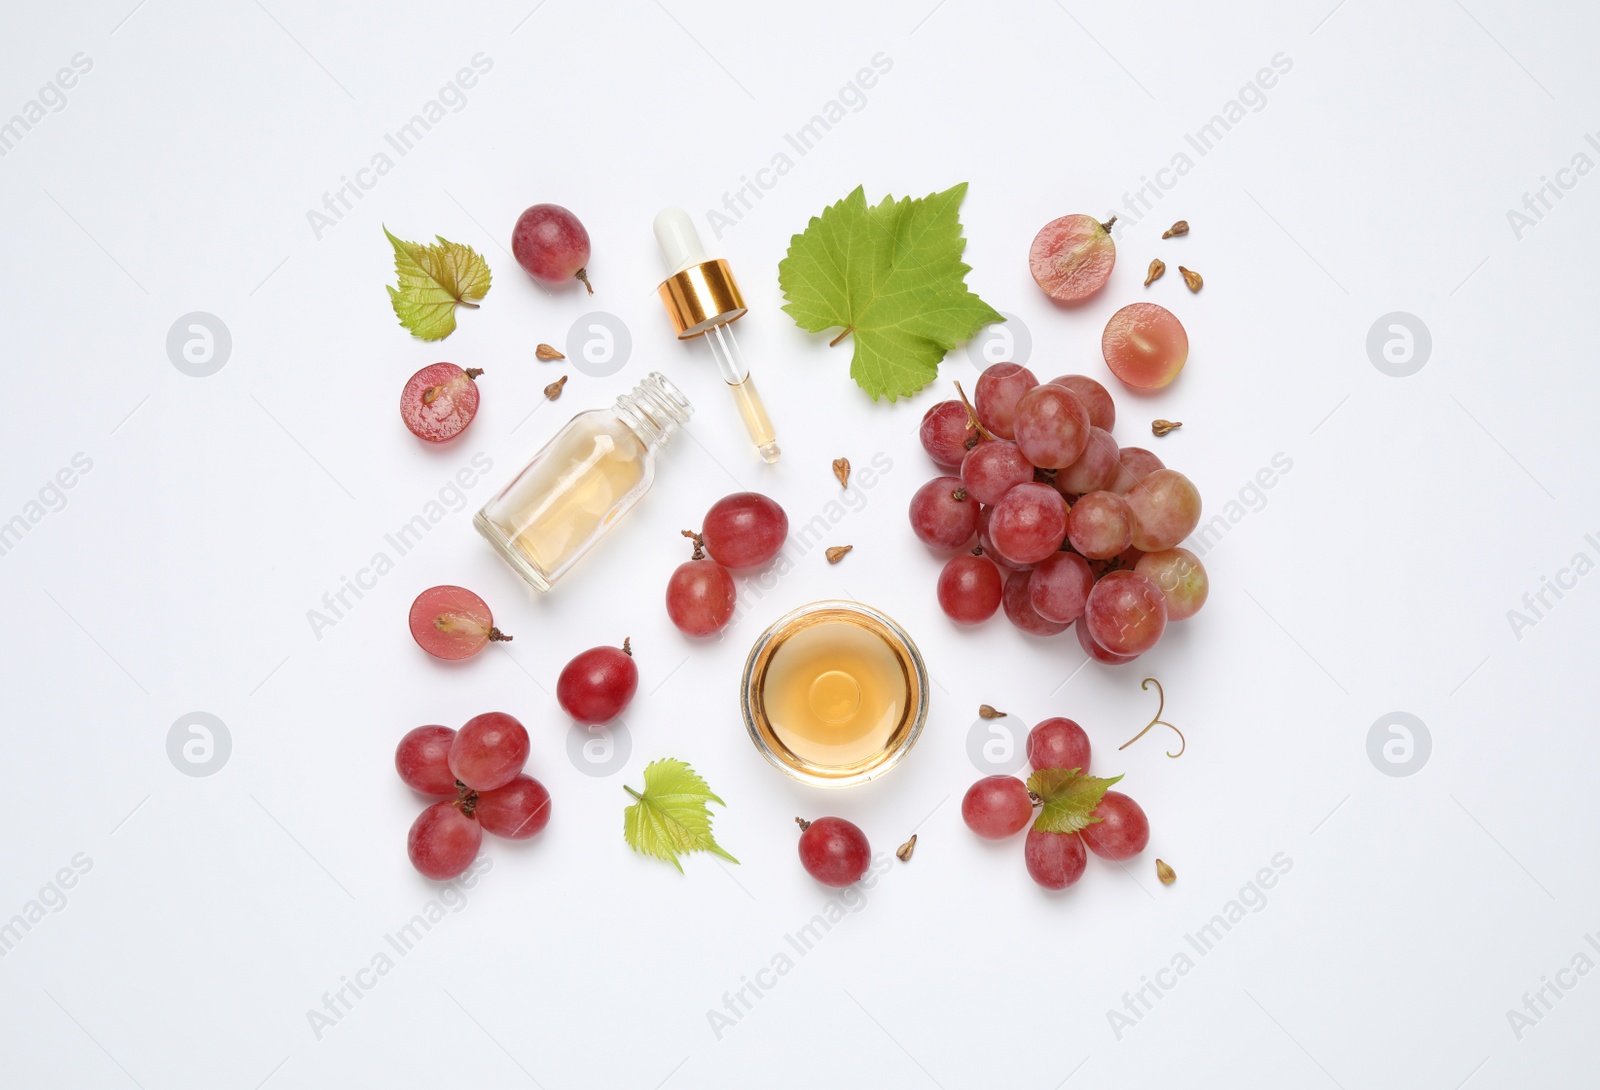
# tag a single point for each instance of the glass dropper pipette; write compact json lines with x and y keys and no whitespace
{"x":703,"y":299}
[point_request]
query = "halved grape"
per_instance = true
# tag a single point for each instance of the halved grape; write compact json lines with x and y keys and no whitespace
{"x":551,"y":245}
{"x":1058,"y":742}
{"x":1020,"y":611}
{"x":488,"y":751}
{"x":1029,"y":523}
{"x":1136,"y":464}
{"x":947,"y":434}
{"x":423,"y":760}
{"x":998,"y":390}
{"x":1095,"y":651}
{"x":1071,"y":257}
{"x":1126,"y":613}
{"x":701,"y":597}
{"x":516,"y":810}
{"x":1052,"y":426}
{"x":1123,"y":830}
{"x":997,"y":807}
{"x":1144,"y":345}
{"x":1096,"y":468}
{"x":598,"y":683}
{"x":452,"y":623}
{"x":1100,"y":525}
{"x":1059,"y":587}
{"x":1181,"y":577}
{"x":1166,"y":509}
{"x":443,"y":841}
{"x":943,"y":513}
{"x":993,"y":469}
{"x":1095,"y":397}
{"x":744,"y":530}
{"x":439,"y":401}
{"x":1055,"y":860}
{"x":970,"y":587}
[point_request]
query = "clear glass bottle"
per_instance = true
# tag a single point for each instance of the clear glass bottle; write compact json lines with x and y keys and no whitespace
{"x":582,"y":482}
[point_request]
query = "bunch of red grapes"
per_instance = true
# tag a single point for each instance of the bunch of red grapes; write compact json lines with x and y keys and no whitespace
{"x":1068,"y":524}
{"x":998,"y":807}
{"x":480,"y":768}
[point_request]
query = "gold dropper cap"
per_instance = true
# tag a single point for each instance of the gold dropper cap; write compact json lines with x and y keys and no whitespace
{"x":702,"y":297}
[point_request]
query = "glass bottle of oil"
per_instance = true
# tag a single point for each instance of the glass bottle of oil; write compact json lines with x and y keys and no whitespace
{"x":584,"y":480}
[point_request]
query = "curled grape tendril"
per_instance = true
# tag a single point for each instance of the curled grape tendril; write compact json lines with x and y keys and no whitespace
{"x":1183,"y":743}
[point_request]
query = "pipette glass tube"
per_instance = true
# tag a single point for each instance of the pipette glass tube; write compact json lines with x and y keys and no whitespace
{"x":703,"y":300}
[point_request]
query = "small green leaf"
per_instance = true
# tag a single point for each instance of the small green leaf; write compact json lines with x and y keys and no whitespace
{"x":433,"y":281}
{"x":892,"y":277}
{"x":670,"y":817}
{"x":1069,"y":798}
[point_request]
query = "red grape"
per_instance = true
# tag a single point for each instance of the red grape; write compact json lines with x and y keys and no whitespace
{"x":1100,"y":525}
{"x":1098,"y":653}
{"x":1052,"y":426}
{"x":1096,"y":468}
{"x":1059,"y":586}
{"x":452,"y":623}
{"x":997,"y":807}
{"x":423,"y":760}
{"x":993,"y":469}
{"x":1181,"y":577}
{"x":1020,"y":611}
{"x":1136,"y":464}
{"x":1126,"y":613}
{"x":1058,"y":743}
{"x":970,"y":588}
{"x":744,"y":530}
{"x":1166,"y":509}
{"x":1055,"y":860}
{"x":943,"y":513}
{"x":833,"y":851}
{"x":439,"y":401}
{"x":1122,"y":831}
{"x":700,"y":597}
{"x":947,"y":434}
{"x":551,"y":245}
{"x":598,"y":683}
{"x":443,"y":841}
{"x":1071,"y":257}
{"x":516,"y":810}
{"x":1144,"y":345}
{"x":1029,"y":523}
{"x":1095,"y":397}
{"x":488,"y":751}
{"x":995,"y":397}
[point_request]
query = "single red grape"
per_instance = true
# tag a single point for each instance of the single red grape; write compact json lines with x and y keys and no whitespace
{"x":1052,"y":426}
{"x":1181,"y":577}
{"x":1095,"y":397}
{"x":443,"y":841}
{"x":516,"y":810}
{"x":1020,"y":611}
{"x":970,"y":588}
{"x":423,"y":760}
{"x":1096,"y":652}
{"x":489,"y":751}
{"x":439,"y":401}
{"x":943,"y":513}
{"x":1166,"y":509}
{"x":833,"y":851}
{"x":1029,"y":523}
{"x":744,"y":530}
{"x":997,"y":807}
{"x":551,"y":245}
{"x":1100,"y":525}
{"x":947,"y":434}
{"x":598,"y":683}
{"x":1058,"y":587}
{"x":1136,"y":464}
{"x":1058,"y":743}
{"x":1126,"y":613}
{"x":998,"y":390}
{"x":993,"y":469}
{"x":701,"y":597}
{"x":1096,"y":468}
{"x":1055,"y":860}
{"x":1122,"y":831}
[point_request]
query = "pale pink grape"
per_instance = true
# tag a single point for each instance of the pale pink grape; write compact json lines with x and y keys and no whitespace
{"x":1052,"y":426}
{"x":1096,"y":468}
{"x":998,"y":390}
{"x":1029,"y":523}
{"x":1126,"y":613}
{"x":1100,"y":525}
{"x":1058,"y":587}
{"x":1181,"y":577}
{"x":1095,"y":397}
{"x":1166,"y":509}
{"x":993,"y":469}
{"x":1145,"y":345}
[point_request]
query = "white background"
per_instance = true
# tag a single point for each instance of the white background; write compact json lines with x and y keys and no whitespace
{"x":1374,"y":577}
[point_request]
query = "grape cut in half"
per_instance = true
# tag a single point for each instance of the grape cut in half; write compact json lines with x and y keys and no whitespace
{"x":1145,"y":345}
{"x":452,"y":623}
{"x":439,"y":401}
{"x":1071,"y":257}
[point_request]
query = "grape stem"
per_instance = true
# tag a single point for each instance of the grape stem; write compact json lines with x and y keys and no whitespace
{"x":496,"y":634}
{"x":849,"y":329}
{"x":803,"y":823}
{"x":467,"y":798}
{"x":627,"y":646}
{"x":699,"y":544}
{"x":583,"y":274}
{"x":1183,"y":743}
{"x":972,"y":415}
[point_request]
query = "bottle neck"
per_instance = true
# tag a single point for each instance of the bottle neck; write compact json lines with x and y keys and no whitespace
{"x":654,"y":410}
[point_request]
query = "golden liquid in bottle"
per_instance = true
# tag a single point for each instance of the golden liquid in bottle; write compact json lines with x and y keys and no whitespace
{"x":834,"y":694}
{"x":563,"y":506}
{"x":756,"y":421}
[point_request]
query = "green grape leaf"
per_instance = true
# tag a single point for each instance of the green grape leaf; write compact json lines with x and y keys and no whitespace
{"x":892,"y":277}
{"x":433,"y":281}
{"x":1069,"y":796}
{"x":670,"y":816}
